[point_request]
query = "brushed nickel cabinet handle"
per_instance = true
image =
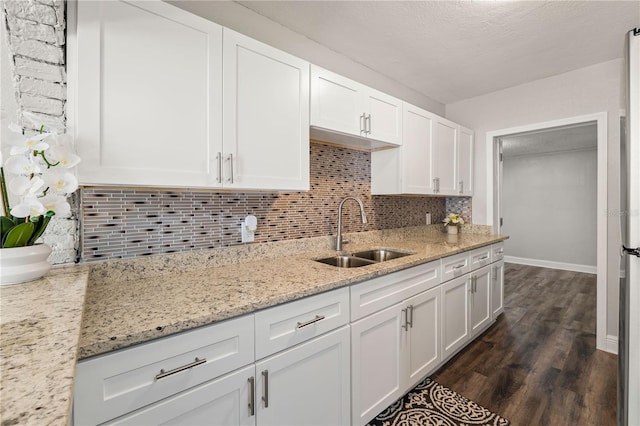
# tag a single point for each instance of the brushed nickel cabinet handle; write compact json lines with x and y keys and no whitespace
{"x":219,"y":160}
{"x":363,"y":124}
{"x":458,"y":266}
{"x":312,"y":321}
{"x":252,"y":396}
{"x":265,"y":388}
{"x":405,"y":324}
{"x":367,"y":127}
{"x":410,"y":316}
{"x":195,"y":363}
{"x":230,"y":168}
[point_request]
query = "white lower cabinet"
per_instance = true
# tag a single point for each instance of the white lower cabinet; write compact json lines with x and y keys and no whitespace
{"x":480,"y":299}
{"x":393,"y":350}
{"x":455,"y":315}
{"x":376,"y":368}
{"x":220,"y":402}
{"x":307,"y":384}
{"x":497,"y":288}
{"x":423,"y":337}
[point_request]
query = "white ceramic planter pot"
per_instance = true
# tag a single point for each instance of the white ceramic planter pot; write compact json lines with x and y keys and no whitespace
{"x":22,"y":264}
{"x":452,"y":230}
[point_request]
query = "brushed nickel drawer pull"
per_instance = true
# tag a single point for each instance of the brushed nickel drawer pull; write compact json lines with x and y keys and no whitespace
{"x":485,"y":257}
{"x":458,"y":266}
{"x":265,"y":388}
{"x":195,"y":363}
{"x":316,"y":319}
{"x":252,"y":396}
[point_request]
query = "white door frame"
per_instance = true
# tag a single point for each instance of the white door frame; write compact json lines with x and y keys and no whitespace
{"x":601,"y":254}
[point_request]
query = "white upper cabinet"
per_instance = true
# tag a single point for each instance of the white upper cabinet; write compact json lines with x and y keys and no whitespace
{"x":266,"y":116}
{"x":148,"y":96}
{"x":436,"y":157}
{"x":342,"y":108}
{"x":465,"y":162}
{"x":153,"y":84}
{"x":445,"y":150}
{"x":408,"y":169}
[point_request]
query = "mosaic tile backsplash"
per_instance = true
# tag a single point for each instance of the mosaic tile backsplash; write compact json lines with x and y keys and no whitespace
{"x":123,"y":223}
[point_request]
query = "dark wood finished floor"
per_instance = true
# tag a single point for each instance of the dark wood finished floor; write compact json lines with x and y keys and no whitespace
{"x":537,"y":365}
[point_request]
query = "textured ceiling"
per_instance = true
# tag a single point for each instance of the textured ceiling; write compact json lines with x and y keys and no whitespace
{"x":570,"y":138}
{"x":453,"y":50}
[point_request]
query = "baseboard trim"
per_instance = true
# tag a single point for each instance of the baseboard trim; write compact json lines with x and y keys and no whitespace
{"x":611,"y":344}
{"x":550,"y":264}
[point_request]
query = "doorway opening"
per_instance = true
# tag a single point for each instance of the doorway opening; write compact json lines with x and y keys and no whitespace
{"x":494,"y":199}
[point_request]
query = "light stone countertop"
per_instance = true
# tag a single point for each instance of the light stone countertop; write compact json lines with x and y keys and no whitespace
{"x":39,"y":333}
{"x":133,"y":310}
{"x":44,"y":330}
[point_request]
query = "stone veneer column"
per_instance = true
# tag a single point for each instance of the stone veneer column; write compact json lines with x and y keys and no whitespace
{"x":36,"y":37}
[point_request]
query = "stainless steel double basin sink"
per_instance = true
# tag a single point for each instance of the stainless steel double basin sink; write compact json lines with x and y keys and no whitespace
{"x":363,"y":258}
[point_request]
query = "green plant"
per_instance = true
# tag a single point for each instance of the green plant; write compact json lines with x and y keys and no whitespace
{"x":39,"y":176}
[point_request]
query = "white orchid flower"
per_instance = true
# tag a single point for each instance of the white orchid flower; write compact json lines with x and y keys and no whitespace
{"x":21,"y":165}
{"x":57,"y":204}
{"x":60,"y":182}
{"x":63,"y":155}
{"x":30,"y":206}
{"x":31,"y":143}
{"x":23,"y":185}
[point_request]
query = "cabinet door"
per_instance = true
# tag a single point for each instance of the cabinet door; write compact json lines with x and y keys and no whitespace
{"x":306,"y":385}
{"x":480,"y":311}
{"x":465,"y":162}
{"x":455,"y":315}
{"x":417,"y":151}
{"x":445,"y":145}
{"x":377,"y":363}
{"x":220,"y":402}
{"x":384,"y":117}
{"x":148,"y":94}
{"x":497,"y":288}
{"x":266,"y":116}
{"x":423,"y":347}
{"x":336,"y":102}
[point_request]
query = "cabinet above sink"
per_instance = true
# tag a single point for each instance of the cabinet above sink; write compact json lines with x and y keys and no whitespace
{"x":345,"y":112}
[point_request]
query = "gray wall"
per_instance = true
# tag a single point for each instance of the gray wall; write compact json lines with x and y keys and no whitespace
{"x":549,"y":206}
{"x":589,"y":90}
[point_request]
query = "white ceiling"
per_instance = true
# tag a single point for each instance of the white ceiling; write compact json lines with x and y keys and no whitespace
{"x":454,"y":50}
{"x":570,"y":138}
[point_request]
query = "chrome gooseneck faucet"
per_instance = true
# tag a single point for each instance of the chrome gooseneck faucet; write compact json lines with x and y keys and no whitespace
{"x":339,"y":241}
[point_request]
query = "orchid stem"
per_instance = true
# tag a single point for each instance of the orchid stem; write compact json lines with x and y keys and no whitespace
{"x":3,"y":191}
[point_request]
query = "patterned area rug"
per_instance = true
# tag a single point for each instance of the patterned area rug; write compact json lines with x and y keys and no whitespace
{"x":430,"y":403}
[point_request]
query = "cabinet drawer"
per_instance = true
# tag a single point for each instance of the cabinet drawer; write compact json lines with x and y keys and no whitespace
{"x":479,"y":257}
{"x":454,"y":266}
{"x":117,"y":383}
{"x":376,"y":294}
{"x":497,"y":252}
{"x":287,"y":325}
{"x":211,"y":403}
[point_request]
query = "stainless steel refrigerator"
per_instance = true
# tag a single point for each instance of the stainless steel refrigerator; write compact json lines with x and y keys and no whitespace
{"x":629,"y":330}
